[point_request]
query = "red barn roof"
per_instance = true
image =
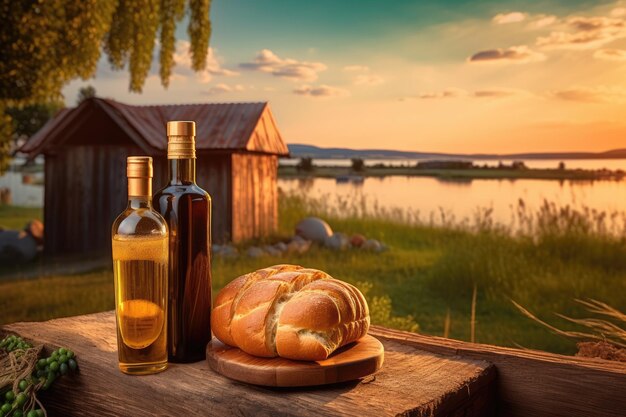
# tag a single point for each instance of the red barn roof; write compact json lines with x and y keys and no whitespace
{"x":220,"y":126}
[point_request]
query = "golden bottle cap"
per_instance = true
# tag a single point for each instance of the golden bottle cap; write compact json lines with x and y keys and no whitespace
{"x":181,"y":140}
{"x":139,"y":167}
{"x":139,"y":173}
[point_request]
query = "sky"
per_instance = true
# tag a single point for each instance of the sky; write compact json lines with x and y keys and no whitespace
{"x":435,"y":76}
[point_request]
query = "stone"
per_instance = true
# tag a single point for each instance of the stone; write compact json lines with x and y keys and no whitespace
{"x":281,"y":246}
{"x":314,"y":228}
{"x":17,"y":246}
{"x":272,"y":251}
{"x":35,"y":229}
{"x":357,"y":240}
{"x":228,"y":251}
{"x":338,"y":241}
{"x":255,"y":252}
{"x":372,"y":245}
{"x":298,"y":246}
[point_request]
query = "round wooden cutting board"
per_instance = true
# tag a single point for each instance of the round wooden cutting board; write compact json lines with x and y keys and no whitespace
{"x":353,"y":361}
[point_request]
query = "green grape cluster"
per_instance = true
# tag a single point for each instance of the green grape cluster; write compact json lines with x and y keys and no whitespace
{"x":13,"y":342}
{"x":60,"y":362}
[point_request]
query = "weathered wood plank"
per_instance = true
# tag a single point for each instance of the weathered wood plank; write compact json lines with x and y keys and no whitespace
{"x":411,"y":383}
{"x":255,"y":202}
{"x":534,"y":383}
{"x":213,"y":175}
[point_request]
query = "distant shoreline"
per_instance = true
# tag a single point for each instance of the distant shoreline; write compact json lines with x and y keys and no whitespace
{"x":298,"y":150}
{"x":347,"y":173}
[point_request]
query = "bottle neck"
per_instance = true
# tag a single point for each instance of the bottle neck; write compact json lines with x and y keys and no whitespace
{"x":182,"y":171}
{"x":139,"y":202}
{"x":139,"y":192}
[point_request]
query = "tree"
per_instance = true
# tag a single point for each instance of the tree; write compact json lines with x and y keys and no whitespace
{"x":85,"y":93}
{"x":27,"y":120}
{"x":305,"y":164}
{"x":358,"y":165}
{"x":45,"y":45}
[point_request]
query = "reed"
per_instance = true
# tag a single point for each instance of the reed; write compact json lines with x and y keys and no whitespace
{"x":601,"y":329}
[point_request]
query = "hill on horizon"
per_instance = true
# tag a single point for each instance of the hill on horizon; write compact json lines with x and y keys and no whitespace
{"x":299,"y":150}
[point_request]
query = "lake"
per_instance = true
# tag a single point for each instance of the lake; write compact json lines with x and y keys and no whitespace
{"x":612,"y":164}
{"x":22,"y":193}
{"x":429,"y":197}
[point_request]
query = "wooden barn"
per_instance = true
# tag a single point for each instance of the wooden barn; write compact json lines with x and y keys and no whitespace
{"x":85,"y":149}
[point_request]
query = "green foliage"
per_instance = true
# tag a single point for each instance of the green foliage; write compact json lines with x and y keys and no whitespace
{"x":28,"y":119}
{"x":131,"y":38}
{"x":6,"y":139}
{"x":171,"y":12}
{"x":85,"y":93}
{"x":21,"y":122}
{"x":305,"y":164}
{"x":47,"y":44}
{"x":358,"y":165}
{"x":199,"y":32}
{"x":44,"y":45}
{"x":381,"y":310}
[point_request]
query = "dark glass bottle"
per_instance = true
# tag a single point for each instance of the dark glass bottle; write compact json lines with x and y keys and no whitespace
{"x":187,"y":210}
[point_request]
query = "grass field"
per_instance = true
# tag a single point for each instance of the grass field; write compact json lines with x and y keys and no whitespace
{"x":430,"y":271}
{"x":13,"y":217}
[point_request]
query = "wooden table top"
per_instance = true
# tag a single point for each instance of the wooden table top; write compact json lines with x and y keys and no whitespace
{"x":412,"y":382}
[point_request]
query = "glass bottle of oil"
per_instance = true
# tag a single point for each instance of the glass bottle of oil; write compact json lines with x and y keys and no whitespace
{"x":140,"y":261}
{"x":187,"y":210}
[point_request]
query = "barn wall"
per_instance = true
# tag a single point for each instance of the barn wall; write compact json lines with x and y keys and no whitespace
{"x":213,"y":174}
{"x":255,"y":195}
{"x":85,"y":190}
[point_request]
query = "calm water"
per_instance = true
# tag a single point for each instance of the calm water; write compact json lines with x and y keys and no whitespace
{"x":23,"y":194}
{"x":612,"y":164}
{"x":429,"y":196}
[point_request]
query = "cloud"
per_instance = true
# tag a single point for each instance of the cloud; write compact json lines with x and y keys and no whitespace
{"x":368,"y":79}
{"x":224,"y":88}
{"x":182,"y":59}
{"x":599,"y":94}
{"x":291,"y":69}
{"x":610,"y":54}
{"x":585,"y":33}
{"x":321,"y":91}
{"x":515,"y":54}
{"x":460,"y":93}
{"x":495,"y":93}
{"x":365,"y":77}
{"x":356,"y":68}
{"x":541,"y":21}
{"x":513,"y":17}
{"x":447,"y":93}
{"x":618,"y":12}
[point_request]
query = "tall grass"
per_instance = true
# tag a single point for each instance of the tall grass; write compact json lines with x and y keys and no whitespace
{"x":543,"y":259}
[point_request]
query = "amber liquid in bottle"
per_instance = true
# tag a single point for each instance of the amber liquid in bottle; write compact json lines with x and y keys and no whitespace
{"x":187,"y":210}
{"x":140,"y":259}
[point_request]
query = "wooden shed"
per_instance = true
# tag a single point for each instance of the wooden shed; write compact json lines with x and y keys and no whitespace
{"x":85,"y":149}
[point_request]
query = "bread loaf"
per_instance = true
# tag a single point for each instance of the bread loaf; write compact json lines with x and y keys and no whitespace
{"x":289,"y":311}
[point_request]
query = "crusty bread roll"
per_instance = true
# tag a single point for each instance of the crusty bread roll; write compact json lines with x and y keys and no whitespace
{"x":289,"y":311}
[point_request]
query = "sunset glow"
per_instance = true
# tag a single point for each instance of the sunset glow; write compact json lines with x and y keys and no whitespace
{"x":490,"y":76}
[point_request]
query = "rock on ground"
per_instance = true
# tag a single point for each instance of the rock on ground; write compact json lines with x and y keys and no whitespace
{"x":314,"y":228}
